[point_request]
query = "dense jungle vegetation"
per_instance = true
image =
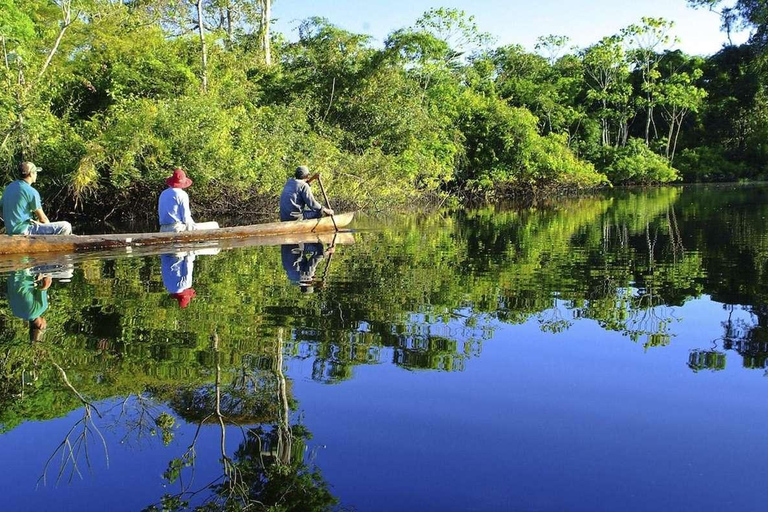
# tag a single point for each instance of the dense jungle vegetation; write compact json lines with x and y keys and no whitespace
{"x":108,"y":96}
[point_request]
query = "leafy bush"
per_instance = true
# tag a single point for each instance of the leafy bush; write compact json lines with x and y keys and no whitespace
{"x":504,"y":149}
{"x":711,"y":164}
{"x":635,"y":163}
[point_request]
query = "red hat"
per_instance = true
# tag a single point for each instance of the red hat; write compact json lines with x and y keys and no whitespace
{"x":179,"y":179}
{"x":184,"y":297}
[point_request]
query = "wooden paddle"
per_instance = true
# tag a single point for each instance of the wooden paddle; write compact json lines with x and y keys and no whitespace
{"x":327,"y":204}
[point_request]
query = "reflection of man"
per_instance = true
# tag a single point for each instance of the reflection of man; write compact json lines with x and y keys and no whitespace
{"x":177,"y":276}
{"x":177,"y":271}
{"x":300,"y":263}
{"x":28,"y":299}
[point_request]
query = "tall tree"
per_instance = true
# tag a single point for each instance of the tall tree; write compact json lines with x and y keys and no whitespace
{"x":741,"y":14}
{"x":607,"y":73}
{"x":647,"y":42}
{"x":264,"y":35}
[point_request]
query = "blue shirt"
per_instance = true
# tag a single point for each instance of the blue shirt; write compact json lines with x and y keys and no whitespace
{"x":177,"y":271}
{"x":300,"y":261}
{"x":27,"y":301}
{"x":173,"y":207}
{"x":19,"y":201}
{"x":296,"y":195}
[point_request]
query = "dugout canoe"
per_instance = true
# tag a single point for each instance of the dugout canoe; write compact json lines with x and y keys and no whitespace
{"x":83,"y":243}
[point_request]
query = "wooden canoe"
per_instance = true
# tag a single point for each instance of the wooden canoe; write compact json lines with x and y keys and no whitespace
{"x":81,"y":243}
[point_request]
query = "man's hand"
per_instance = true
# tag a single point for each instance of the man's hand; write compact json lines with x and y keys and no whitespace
{"x":327,"y":211}
{"x":314,"y":177}
{"x":43,"y":281}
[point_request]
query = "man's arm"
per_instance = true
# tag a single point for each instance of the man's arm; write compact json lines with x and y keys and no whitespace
{"x":41,"y":217}
{"x":186,"y":211}
{"x":38,"y":208}
{"x":325,"y":210}
{"x":309,"y":198}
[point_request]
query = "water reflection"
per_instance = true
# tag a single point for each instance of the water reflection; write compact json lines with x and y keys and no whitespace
{"x":27,"y":293}
{"x":300,"y":262}
{"x":177,"y":269}
{"x":28,"y":299}
{"x":208,"y":385}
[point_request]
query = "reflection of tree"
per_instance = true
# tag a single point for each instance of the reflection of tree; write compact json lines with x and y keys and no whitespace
{"x":748,"y":338}
{"x":405,"y":292}
{"x":74,"y":448}
{"x":268,"y":470}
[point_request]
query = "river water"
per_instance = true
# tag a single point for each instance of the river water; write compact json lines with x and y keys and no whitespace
{"x":598,"y":353}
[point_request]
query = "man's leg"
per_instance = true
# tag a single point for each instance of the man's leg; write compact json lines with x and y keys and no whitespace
{"x":206,"y":225}
{"x":312,"y":214}
{"x":173,"y":228}
{"x":52,"y":228}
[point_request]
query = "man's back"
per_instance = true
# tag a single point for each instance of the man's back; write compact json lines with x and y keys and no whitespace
{"x":19,"y":200}
{"x":173,"y":206}
{"x":296,"y":195}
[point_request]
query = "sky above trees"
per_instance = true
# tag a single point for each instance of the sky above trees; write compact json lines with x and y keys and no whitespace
{"x":516,"y":21}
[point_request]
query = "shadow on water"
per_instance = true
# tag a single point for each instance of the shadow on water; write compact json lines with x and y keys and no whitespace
{"x":201,"y":339}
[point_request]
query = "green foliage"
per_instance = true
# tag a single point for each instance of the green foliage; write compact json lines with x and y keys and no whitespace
{"x":635,"y":163}
{"x":505,"y":150}
{"x":109,"y":96}
{"x":706,"y":164}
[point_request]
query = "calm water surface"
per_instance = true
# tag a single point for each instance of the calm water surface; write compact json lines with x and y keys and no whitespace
{"x":604,"y":353}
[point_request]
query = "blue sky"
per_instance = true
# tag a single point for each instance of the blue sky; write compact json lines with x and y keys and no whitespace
{"x":514,"y":21}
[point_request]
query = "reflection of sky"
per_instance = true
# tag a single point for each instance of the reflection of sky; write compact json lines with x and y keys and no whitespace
{"x":132,"y":481}
{"x":584,"y":420}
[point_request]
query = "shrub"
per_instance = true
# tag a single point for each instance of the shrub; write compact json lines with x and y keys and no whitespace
{"x":635,"y":163}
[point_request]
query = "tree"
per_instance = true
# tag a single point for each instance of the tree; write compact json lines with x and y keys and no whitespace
{"x":607,"y":74}
{"x":741,"y":14}
{"x":646,"y":43}
{"x":680,"y":95}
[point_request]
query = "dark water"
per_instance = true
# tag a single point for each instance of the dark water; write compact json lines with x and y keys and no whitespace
{"x":603,"y":353}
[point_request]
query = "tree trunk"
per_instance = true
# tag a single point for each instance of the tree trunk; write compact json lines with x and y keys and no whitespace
{"x":679,"y":127}
{"x":5,"y":54}
{"x":648,"y":126}
{"x":66,"y":22}
{"x":203,"y":48}
{"x":229,"y":22}
{"x":671,"y":133}
{"x":266,"y":15}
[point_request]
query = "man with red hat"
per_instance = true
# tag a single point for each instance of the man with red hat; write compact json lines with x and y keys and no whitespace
{"x":173,"y":206}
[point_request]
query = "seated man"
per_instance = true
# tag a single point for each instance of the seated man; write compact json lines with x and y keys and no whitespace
{"x":20,"y":201}
{"x":297,"y":194}
{"x":173,"y":206}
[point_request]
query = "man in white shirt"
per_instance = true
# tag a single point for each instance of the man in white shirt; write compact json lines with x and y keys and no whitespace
{"x":173,"y":206}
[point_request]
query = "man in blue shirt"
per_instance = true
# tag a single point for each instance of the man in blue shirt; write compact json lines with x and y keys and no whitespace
{"x":20,"y":202}
{"x":297,"y":195}
{"x":173,"y":209}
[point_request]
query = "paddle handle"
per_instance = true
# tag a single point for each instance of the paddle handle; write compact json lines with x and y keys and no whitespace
{"x":327,"y":204}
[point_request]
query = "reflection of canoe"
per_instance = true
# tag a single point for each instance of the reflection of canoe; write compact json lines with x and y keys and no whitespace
{"x":11,"y":262}
{"x":78,"y":243}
